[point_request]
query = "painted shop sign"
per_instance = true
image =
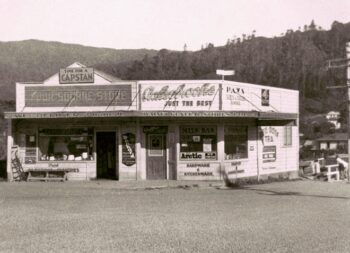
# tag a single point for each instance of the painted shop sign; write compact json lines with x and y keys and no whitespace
{"x":76,"y":75}
{"x":99,"y":114}
{"x":236,"y":97}
{"x":128,"y":149}
{"x":205,"y":171}
{"x":198,"y":130}
{"x":65,"y":96}
{"x":180,"y":96}
{"x":269,"y":136}
{"x":198,"y":155}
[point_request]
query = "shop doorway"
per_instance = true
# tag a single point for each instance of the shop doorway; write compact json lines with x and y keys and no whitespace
{"x":106,"y":150}
{"x":156,"y":156}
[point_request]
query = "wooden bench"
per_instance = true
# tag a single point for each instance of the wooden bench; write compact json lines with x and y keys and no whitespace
{"x":49,"y":174}
{"x":330,"y":171}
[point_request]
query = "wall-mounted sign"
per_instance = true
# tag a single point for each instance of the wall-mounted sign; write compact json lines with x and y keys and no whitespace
{"x":65,"y":96}
{"x":155,"y":129}
{"x":76,"y":75}
{"x":269,"y":136}
{"x":199,"y":171}
{"x":99,"y":114}
{"x":236,"y":97}
{"x":198,"y":130}
{"x":265,"y":97}
{"x":198,"y":155}
{"x":269,"y":154}
{"x":128,"y":149}
{"x":186,"y":96}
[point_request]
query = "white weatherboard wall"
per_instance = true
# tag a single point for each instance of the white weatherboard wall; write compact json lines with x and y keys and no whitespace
{"x":286,"y":155}
{"x":238,"y":96}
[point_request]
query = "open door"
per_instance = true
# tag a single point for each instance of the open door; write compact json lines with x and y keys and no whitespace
{"x":106,"y":150}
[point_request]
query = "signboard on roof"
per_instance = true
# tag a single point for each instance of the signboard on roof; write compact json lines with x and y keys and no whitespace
{"x":87,"y":95}
{"x":180,"y":96}
{"x":76,"y":75}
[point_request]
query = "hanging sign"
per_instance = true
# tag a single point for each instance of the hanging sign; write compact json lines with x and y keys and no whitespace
{"x":128,"y":149}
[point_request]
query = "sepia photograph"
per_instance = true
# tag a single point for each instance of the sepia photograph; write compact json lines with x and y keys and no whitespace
{"x":175,"y":126}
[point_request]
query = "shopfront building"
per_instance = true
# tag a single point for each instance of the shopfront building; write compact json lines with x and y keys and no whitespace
{"x":146,"y":130}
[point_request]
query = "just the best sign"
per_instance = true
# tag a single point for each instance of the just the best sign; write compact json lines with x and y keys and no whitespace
{"x":76,"y":75}
{"x":180,"y":96}
{"x":80,"y":95}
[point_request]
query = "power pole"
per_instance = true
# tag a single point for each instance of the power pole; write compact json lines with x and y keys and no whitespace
{"x":348,"y":87}
{"x":344,"y":63}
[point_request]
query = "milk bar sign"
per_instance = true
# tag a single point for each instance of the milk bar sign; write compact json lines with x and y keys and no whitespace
{"x":76,"y":75}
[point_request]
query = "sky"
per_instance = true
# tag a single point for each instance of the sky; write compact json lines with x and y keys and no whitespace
{"x":157,"y":24}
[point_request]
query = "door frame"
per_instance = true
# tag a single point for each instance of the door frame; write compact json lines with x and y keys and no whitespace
{"x":164,"y":150}
{"x":116,"y":140}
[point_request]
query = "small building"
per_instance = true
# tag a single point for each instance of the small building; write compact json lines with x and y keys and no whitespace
{"x":103,"y":127}
{"x":335,"y":141}
{"x":333,"y":117}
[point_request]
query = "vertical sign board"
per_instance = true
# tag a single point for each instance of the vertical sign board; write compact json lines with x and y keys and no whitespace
{"x":270,"y":139}
{"x":180,"y":96}
{"x":76,"y":75}
{"x":265,"y":97}
{"x":128,"y":149}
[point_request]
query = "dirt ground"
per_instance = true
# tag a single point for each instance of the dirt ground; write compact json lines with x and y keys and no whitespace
{"x":107,"y":216}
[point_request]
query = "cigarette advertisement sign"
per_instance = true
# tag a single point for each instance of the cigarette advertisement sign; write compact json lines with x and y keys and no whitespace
{"x":76,"y":75}
{"x":180,"y":96}
{"x":236,"y":97}
{"x":85,"y":95}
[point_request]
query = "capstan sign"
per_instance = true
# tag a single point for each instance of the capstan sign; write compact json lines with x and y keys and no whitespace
{"x":180,"y":96}
{"x":76,"y":75}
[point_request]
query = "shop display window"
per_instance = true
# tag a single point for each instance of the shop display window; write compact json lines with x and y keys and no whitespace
{"x":236,"y":142}
{"x":73,"y":144}
{"x":198,"y":143}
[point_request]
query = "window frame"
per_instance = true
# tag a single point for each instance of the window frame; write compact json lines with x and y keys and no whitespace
{"x":90,"y":139}
{"x":234,"y":155}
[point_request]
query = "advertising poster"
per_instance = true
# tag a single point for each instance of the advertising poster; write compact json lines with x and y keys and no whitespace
{"x":265,"y":97}
{"x":128,"y":149}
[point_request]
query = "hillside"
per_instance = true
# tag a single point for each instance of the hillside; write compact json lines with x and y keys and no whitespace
{"x":295,"y":60}
{"x":34,"y":60}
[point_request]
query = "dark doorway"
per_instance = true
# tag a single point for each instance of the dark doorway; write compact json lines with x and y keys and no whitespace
{"x":156,"y":156}
{"x":106,"y":155}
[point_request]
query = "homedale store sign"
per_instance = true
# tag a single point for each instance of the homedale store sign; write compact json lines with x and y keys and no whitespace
{"x":180,"y":96}
{"x":76,"y":75}
{"x":85,"y":95}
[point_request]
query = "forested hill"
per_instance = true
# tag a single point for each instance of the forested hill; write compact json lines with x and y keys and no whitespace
{"x":296,"y":60}
{"x":34,"y":60}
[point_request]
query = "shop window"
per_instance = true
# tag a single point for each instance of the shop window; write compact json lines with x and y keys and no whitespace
{"x":287,"y":136}
{"x":236,"y":142}
{"x":30,"y":149}
{"x":74,"y":144}
{"x":198,"y":143}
